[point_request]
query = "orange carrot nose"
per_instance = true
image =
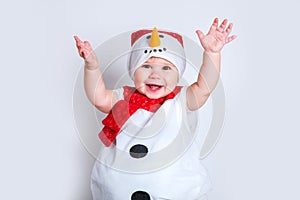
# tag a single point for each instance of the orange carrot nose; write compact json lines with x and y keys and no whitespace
{"x":154,"y":40}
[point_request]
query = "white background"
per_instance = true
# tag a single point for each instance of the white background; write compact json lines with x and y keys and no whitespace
{"x":41,"y":153}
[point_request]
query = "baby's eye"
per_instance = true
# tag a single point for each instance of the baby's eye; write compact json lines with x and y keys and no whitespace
{"x":166,"y":68}
{"x":146,"y":66}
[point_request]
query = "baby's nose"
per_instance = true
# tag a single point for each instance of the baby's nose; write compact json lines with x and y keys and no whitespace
{"x":154,"y":74}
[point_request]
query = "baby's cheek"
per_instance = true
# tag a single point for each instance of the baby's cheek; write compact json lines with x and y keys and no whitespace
{"x":173,"y":80}
{"x":171,"y":87}
{"x":139,"y":86}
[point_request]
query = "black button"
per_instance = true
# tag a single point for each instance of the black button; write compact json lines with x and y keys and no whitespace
{"x":138,"y":151}
{"x":140,"y":195}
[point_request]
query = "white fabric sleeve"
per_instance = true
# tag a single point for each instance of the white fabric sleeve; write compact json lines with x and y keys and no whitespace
{"x":182,"y":99}
{"x":119,"y":93}
{"x":193,"y":119}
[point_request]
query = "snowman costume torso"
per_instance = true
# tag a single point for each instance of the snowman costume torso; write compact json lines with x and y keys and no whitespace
{"x":167,"y":165}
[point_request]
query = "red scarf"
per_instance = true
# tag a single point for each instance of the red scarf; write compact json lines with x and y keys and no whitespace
{"x":123,"y":109}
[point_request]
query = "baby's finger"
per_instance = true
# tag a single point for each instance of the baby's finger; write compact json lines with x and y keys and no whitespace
{"x":223,"y":25}
{"x":87,"y":45}
{"x":229,"y":39}
{"x":200,"y":34}
{"x":83,"y":54}
{"x":229,"y":28}
{"x":214,"y":25}
{"x":78,"y":41}
{"x":76,"y":38}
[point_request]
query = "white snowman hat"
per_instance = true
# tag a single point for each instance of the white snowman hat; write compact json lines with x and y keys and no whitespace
{"x":153,"y":43}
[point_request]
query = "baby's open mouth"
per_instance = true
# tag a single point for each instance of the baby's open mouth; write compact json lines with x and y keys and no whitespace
{"x":154,"y":87}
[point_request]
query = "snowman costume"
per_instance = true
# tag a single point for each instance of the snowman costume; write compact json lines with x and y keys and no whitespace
{"x":150,"y":150}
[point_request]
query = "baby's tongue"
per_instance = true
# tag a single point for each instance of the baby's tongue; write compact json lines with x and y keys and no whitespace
{"x":154,"y":87}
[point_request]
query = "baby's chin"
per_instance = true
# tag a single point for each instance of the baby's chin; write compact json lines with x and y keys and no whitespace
{"x":157,"y":95}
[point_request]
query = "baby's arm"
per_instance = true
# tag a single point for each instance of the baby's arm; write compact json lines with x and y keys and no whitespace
{"x":208,"y":77}
{"x":94,"y":86}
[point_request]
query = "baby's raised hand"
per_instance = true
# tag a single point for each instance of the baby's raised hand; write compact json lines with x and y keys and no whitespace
{"x":217,"y":36}
{"x":86,"y":51}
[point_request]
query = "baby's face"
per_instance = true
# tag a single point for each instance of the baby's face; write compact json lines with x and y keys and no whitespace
{"x":156,"y":78}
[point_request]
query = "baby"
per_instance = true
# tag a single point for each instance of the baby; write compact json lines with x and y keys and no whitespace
{"x":156,"y":63}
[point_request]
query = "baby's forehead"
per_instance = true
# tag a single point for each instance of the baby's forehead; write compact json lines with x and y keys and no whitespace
{"x":159,"y":60}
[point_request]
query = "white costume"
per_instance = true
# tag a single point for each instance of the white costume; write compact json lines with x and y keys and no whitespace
{"x":155,"y":156}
